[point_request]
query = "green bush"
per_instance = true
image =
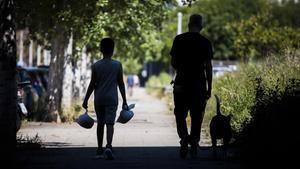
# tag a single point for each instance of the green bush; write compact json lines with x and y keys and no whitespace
{"x":157,"y":85}
{"x":72,"y":112}
{"x":237,"y":93}
{"x":253,"y":85}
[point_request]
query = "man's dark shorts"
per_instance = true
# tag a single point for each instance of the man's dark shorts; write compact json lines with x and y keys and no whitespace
{"x":106,"y":114}
{"x":189,"y":98}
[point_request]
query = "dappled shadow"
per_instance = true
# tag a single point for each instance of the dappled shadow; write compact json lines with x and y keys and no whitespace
{"x":126,"y":157}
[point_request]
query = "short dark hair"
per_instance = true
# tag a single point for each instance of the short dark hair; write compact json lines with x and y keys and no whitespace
{"x":107,"y":46}
{"x":195,"y":20}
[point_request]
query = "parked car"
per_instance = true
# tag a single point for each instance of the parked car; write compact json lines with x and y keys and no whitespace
{"x":39,"y":78}
{"x":220,"y":70}
{"x":21,"y":108}
{"x":35,"y":93}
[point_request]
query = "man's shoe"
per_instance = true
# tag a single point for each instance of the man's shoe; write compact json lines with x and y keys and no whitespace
{"x":184,"y":148}
{"x":109,"y":154}
{"x":194,"y":151}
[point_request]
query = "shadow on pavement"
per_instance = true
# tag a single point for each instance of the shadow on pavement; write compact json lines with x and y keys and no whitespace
{"x":126,"y":157}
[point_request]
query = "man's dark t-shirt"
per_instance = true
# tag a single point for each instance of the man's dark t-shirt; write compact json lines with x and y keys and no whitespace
{"x":189,"y":52}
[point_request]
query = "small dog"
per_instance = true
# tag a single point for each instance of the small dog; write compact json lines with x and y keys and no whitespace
{"x":220,"y":129}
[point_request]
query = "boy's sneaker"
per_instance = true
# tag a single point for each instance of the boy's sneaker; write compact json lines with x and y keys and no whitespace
{"x":109,"y":146}
{"x":109,"y":154}
{"x":99,"y":154}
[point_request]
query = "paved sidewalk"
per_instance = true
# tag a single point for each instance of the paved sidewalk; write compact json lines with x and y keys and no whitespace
{"x":152,"y":125}
{"x":149,"y":140}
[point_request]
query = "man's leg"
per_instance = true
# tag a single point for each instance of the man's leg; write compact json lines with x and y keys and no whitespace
{"x":197,"y":113}
{"x":180,"y":112}
{"x":181,"y":124}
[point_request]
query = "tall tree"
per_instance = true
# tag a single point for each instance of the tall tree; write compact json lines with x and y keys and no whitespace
{"x":52,"y":22}
{"x":7,"y":79}
{"x":89,"y":21}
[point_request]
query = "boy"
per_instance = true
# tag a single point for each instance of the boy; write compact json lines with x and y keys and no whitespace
{"x":107,"y":76}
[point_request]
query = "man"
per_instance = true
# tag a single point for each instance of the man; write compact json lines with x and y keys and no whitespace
{"x":107,"y":75}
{"x":191,"y":56}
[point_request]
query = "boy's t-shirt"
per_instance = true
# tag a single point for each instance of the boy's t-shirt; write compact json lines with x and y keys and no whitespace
{"x":106,"y":73}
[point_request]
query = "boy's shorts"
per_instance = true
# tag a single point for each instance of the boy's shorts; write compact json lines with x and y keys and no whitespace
{"x":106,"y":114}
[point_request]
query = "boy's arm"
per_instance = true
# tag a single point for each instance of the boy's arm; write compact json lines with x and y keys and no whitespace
{"x":89,"y":90}
{"x":122,"y":88}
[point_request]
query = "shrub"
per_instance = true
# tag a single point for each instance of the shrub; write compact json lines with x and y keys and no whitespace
{"x":27,"y":142}
{"x":157,"y":85}
{"x":70,"y":113}
{"x":255,"y":84}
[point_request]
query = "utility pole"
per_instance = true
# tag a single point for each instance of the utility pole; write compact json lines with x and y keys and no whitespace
{"x":179,"y":31}
{"x":179,"y":23}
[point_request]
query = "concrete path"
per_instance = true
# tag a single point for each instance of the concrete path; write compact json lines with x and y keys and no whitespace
{"x":149,"y":140}
{"x":152,"y":125}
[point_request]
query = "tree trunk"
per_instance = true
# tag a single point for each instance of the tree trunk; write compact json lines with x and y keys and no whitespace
{"x":21,"y":47}
{"x":56,"y":75}
{"x":85,"y":73}
{"x":7,"y":81}
{"x":76,"y":80}
{"x":68,"y":77}
{"x":38,"y":55}
{"x":30,"y":59}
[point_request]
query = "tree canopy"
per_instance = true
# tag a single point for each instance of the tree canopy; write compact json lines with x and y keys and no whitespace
{"x":240,"y":29}
{"x":129,"y":23}
{"x":132,"y":24}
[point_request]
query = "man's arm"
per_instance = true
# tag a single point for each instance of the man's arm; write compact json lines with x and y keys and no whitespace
{"x":173,"y":54}
{"x":89,"y":90}
{"x":208,"y":72}
{"x":122,"y":88}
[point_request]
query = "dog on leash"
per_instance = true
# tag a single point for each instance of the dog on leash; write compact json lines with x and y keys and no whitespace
{"x":220,"y":129}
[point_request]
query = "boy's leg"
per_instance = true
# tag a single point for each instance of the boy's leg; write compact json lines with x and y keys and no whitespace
{"x":109,"y":133}
{"x":100,"y":128}
{"x":109,"y":137}
{"x":110,"y":116}
{"x":100,"y":132}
